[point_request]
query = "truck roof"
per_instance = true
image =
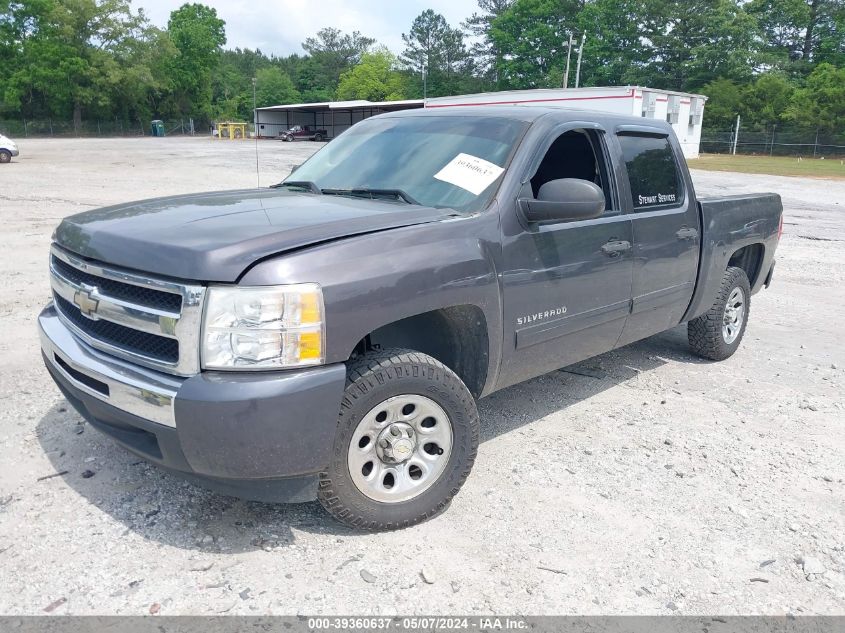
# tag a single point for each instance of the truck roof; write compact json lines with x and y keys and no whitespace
{"x":529,"y":113}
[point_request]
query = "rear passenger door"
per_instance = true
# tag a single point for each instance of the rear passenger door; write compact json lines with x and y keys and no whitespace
{"x":661,"y":204}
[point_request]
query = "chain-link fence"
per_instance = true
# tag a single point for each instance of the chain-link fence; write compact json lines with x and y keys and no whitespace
{"x":41,"y":128}
{"x":774,"y":141}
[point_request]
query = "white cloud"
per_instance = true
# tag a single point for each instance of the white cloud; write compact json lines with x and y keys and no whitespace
{"x":280,"y":26}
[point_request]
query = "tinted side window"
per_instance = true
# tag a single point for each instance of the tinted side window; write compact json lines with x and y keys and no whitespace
{"x":652,"y":171}
{"x":576,"y":154}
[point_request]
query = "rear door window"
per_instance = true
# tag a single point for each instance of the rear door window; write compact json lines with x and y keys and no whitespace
{"x":652,"y":171}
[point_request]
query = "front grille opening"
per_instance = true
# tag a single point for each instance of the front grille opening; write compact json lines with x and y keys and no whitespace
{"x":131,"y":293}
{"x":152,"y":346}
{"x":78,"y":376}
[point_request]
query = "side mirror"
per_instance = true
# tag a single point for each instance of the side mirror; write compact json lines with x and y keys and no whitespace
{"x":562,"y":200}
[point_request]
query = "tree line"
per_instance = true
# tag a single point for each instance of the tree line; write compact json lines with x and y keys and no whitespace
{"x":772,"y":61}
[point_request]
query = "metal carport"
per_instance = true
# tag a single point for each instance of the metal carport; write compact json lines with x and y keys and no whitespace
{"x":333,"y":116}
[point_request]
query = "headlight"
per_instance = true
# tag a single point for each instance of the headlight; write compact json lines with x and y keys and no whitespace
{"x":266,"y":327}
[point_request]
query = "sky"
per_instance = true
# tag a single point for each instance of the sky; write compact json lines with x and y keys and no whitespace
{"x":280,"y":26}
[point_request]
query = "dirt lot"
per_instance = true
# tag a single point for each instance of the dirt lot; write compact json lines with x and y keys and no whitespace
{"x":665,"y":485}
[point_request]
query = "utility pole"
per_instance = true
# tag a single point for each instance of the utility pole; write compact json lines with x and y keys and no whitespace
{"x":736,"y":135}
{"x":578,"y":67}
{"x":568,"y":57}
{"x":255,"y":134}
{"x":425,"y":81}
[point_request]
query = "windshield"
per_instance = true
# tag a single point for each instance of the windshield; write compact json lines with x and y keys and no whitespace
{"x":452,"y":162}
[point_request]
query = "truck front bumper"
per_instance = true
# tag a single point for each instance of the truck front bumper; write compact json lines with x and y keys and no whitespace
{"x":255,"y":435}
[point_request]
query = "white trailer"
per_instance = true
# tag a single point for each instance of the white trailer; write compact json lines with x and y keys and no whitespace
{"x":683,"y":110}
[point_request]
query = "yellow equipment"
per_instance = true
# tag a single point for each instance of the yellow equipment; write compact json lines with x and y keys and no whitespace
{"x":231,"y":130}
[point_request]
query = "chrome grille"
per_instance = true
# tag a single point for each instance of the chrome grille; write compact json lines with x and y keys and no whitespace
{"x":152,"y":322}
{"x":126,"y":292}
{"x":160,"y":348}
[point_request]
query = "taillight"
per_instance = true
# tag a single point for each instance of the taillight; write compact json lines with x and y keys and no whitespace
{"x":780,"y":226}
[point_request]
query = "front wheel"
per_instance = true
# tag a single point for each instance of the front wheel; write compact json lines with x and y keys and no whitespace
{"x":405,"y":443}
{"x":5,"y":157}
{"x":717,"y":333}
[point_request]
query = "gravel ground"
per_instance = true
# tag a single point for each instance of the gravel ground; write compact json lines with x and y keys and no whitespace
{"x":664,"y":485}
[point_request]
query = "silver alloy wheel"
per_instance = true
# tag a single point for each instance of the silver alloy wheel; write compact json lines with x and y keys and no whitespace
{"x":400,"y":448}
{"x":734,"y":314}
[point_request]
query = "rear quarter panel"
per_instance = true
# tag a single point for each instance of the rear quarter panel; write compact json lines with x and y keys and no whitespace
{"x":730,"y":223}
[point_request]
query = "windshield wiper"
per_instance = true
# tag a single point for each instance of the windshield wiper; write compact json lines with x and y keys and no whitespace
{"x":373,"y":194}
{"x":298,"y":184}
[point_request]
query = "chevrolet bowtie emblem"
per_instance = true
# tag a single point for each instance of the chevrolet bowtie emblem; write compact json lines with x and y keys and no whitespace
{"x":86,"y":303}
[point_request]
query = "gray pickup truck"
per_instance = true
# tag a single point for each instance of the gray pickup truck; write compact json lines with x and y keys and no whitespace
{"x":329,"y":337}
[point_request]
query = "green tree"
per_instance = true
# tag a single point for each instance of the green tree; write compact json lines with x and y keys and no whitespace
{"x":800,"y":33}
{"x":198,"y":35}
{"x":724,"y":103}
{"x":691,"y":43}
{"x":330,"y":53}
{"x":438,"y":50}
{"x":375,"y":78}
{"x":614,"y":51}
{"x":781,"y":23}
{"x":820,"y":104}
{"x":766,"y":99}
{"x":274,"y":87}
{"x":829,"y":33}
{"x":531,"y":37}
{"x":479,"y":26}
{"x":70,"y":56}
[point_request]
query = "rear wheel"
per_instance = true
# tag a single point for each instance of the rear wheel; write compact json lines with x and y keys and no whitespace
{"x":405,"y":443}
{"x":716,"y":335}
{"x":318,"y":137}
{"x":5,"y":156}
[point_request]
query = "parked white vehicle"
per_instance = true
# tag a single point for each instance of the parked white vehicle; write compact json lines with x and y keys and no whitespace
{"x":8,"y":148}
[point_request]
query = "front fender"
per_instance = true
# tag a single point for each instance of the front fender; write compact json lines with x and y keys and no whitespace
{"x":373,"y":280}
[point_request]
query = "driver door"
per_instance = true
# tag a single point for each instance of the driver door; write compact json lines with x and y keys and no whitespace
{"x":566,"y":286}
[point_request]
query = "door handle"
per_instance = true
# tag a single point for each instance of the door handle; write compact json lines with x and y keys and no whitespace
{"x":614,"y":248}
{"x":686,"y":233}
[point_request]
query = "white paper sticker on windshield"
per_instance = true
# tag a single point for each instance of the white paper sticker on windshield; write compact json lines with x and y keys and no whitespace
{"x":469,"y":172}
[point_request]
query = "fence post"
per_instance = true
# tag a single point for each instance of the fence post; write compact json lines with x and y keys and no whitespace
{"x":25,"y":131}
{"x":816,"y":143}
{"x":772,"y":146}
{"x":736,"y":135}
{"x":51,"y":126}
{"x":98,"y":128}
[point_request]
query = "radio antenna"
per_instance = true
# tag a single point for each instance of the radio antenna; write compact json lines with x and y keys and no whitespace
{"x":255,"y":134}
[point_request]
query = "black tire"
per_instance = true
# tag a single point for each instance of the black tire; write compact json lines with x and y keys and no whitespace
{"x":318,"y":137}
{"x":705,"y":333}
{"x":370,"y":380}
{"x":289,"y":138}
{"x":5,"y":157}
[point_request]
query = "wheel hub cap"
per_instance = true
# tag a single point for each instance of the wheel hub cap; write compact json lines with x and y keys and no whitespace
{"x":396,"y":443}
{"x":734,"y":315}
{"x":400,"y":448}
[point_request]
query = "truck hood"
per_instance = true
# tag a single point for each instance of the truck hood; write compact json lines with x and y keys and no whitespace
{"x":217,"y":236}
